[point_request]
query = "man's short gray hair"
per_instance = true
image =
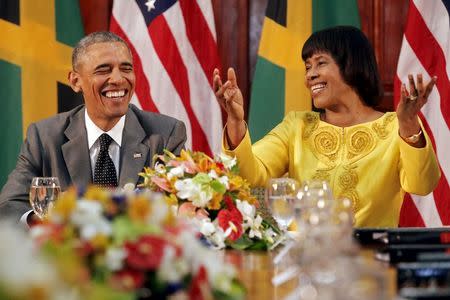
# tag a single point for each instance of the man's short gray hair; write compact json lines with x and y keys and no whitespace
{"x":94,"y":38}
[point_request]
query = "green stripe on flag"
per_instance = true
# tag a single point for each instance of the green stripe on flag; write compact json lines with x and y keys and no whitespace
{"x":69,"y":28}
{"x":268,"y":98}
{"x":10,"y":118}
{"x":332,"y":13}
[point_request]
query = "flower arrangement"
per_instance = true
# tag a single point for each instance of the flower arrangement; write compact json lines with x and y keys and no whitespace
{"x":129,"y":245}
{"x":212,"y":194}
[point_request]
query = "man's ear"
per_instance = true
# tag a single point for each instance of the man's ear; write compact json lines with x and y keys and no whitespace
{"x":74,"y":81}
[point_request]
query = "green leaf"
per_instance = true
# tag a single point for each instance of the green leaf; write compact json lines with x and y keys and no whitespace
{"x":237,"y":292}
{"x":242,"y":243}
{"x":102,"y":291}
{"x":202,"y":178}
{"x":258,"y":245}
{"x":218,"y":187}
{"x":124,"y":229}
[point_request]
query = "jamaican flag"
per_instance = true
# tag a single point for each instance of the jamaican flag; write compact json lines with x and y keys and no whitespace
{"x":278,"y":84}
{"x":35,"y":56}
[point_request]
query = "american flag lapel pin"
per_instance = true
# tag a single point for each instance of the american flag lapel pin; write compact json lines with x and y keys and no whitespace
{"x":137,"y":155}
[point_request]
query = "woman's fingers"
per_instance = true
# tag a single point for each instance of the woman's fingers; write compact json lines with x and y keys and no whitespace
{"x":232,"y":77}
{"x":412,"y":86}
{"x":429,"y":87}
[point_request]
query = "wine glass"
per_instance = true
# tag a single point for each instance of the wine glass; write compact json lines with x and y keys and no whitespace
{"x":315,"y":202}
{"x":43,"y":193}
{"x":281,"y":197}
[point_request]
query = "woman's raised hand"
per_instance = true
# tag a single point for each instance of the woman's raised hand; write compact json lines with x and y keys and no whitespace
{"x":230,"y":98}
{"x":229,"y":95}
{"x":410,"y":105}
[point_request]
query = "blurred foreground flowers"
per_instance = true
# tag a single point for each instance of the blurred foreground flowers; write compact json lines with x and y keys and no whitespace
{"x":129,"y":245}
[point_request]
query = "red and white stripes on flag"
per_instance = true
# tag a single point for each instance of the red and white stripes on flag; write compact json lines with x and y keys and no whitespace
{"x":426,"y":49}
{"x":175,"y":52}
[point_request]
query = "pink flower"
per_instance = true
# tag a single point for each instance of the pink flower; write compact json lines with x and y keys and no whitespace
{"x":187,"y":209}
{"x":161,"y":183}
{"x":189,"y":166}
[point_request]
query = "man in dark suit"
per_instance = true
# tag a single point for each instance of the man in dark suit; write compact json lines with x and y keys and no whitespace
{"x":68,"y":145}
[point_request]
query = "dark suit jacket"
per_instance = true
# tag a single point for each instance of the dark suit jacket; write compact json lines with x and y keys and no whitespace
{"x":58,"y":147}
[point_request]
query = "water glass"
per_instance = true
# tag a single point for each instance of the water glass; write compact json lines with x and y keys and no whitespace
{"x":281,"y":197}
{"x":314,"y":203}
{"x":43,"y":193}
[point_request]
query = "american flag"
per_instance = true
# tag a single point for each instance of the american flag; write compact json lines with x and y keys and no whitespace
{"x":426,"y":49}
{"x":174,"y":49}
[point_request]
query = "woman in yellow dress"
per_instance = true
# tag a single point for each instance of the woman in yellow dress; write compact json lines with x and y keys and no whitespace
{"x":370,"y":157}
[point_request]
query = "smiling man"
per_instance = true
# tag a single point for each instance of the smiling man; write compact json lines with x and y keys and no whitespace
{"x":107,"y":141}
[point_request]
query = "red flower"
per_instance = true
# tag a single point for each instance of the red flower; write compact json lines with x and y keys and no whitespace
{"x":147,"y":252}
{"x":83,"y":248}
{"x":200,"y":289}
{"x":127,"y":280}
{"x":221,"y":166}
{"x":231,"y":216}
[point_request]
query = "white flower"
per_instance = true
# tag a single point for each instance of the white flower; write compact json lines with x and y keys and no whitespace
{"x":186,"y":188}
{"x":159,"y":210}
{"x":160,"y":168}
{"x":129,"y":187}
{"x":269,"y":234}
{"x":114,"y":258}
{"x":176,"y":172}
{"x":213,"y":174}
{"x":21,"y":266}
{"x":220,"y":274}
{"x":200,"y":195}
{"x":224,"y":180}
{"x":207,"y":228}
{"x":172,"y":269}
{"x":88,"y":217}
{"x":254,"y":228}
{"x":228,"y":161}
{"x":248,"y":212}
{"x":246,"y":209}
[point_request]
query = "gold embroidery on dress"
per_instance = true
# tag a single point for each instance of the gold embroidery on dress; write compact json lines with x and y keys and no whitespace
{"x":326,"y":141}
{"x":311,"y":122}
{"x":323,"y":174}
{"x":380,"y":129}
{"x":360,"y":142}
{"x":348,"y":181}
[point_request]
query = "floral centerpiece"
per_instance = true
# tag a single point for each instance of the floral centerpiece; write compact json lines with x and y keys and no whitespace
{"x":131,"y":246}
{"x":211,"y":193}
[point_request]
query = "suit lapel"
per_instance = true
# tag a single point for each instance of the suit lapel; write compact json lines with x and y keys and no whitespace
{"x":76,"y":152}
{"x":133,"y":151}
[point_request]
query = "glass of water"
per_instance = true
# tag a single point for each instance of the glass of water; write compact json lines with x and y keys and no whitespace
{"x":281,"y":197}
{"x":43,"y":193}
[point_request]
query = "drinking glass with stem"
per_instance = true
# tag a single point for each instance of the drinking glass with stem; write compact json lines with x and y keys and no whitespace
{"x":43,"y":193}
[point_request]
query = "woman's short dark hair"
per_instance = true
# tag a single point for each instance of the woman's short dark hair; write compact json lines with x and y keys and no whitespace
{"x":355,"y":57}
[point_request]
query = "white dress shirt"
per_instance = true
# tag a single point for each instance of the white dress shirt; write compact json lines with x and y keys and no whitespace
{"x":93,"y":133}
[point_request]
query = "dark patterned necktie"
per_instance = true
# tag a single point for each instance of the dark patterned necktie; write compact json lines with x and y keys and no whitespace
{"x":105,"y":172}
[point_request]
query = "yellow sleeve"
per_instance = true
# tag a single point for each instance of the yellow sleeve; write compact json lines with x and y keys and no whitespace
{"x":419,"y":169}
{"x":267,"y":158}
